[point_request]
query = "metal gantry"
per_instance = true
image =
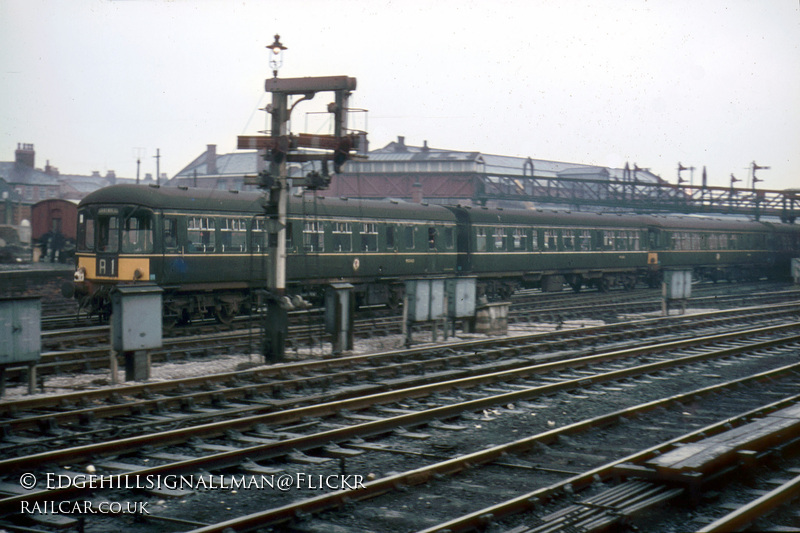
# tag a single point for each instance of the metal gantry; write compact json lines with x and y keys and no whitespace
{"x":640,"y":196}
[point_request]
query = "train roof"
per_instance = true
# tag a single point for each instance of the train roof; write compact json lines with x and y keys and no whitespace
{"x":688,"y":222}
{"x":544,"y":217}
{"x":213,"y":200}
{"x":182,"y":198}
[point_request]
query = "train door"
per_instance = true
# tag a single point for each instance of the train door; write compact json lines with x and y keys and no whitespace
{"x":173,"y":265}
{"x":463,"y":233}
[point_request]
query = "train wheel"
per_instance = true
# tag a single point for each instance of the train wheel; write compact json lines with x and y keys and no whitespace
{"x":174,"y":315}
{"x":576,"y":282}
{"x":605,"y":284}
{"x":396,"y":298}
{"x":630,"y":282}
{"x":225,"y":313}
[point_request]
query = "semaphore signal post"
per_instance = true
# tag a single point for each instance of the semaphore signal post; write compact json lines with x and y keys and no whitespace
{"x":282,"y":147}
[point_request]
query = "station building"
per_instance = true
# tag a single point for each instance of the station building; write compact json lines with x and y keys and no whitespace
{"x":412,"y":173}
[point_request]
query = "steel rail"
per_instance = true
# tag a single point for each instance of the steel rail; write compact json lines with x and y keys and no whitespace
{"x":526,"y":502}
{"x":236,"y":392}
{"x":363,"y":402}
{"x":98,"y":357}
{"x":451,"y":466}
{"x":10,"y":407}
{"x":271,"y":450}
{"x":749,"y":513}
{"x":601,"y":308}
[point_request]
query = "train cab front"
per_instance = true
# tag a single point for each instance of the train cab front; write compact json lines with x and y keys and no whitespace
{"x":115,"y":246}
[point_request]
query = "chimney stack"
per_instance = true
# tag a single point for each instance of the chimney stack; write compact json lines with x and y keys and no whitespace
{"x":211,"y":159}
{"x":50,"y":170}
{"x":416,"y":192}
{"x":111,"y":177}
{"x":25,"y":155}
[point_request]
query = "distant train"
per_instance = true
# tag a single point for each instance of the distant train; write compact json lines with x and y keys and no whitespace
{"x":53,"y":225}
{"x":207,"y":248}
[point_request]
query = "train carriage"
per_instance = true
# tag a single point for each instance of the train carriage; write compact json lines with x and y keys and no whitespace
{"x":543,"y":248}
{"x":208,"y":249}
{"x":724,"y":249}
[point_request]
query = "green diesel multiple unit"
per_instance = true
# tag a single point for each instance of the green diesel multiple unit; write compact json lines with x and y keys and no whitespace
{"x":207,"y":249}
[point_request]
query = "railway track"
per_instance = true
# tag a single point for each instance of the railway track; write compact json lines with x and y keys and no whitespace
{"x":287,"y":434}
{"x":576,"y":339}
{"x":306,"y":331}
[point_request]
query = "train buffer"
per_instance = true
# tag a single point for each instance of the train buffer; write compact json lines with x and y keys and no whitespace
{"x":696,"y":463}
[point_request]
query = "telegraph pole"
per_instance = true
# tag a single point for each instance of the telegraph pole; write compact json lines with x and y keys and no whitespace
{"x":138,"y":162}
{"x":282,"y":147}
{"x":158,"y":166}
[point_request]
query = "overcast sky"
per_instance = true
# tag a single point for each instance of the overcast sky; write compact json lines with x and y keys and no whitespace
{"x":94,"y":83}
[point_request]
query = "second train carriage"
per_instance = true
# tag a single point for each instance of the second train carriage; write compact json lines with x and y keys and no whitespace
{"x":510,"y":248}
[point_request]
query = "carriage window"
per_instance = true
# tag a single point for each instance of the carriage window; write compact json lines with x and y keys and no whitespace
{"x":369,"y":237}
{"x":633,"y":237}
{"x":620,"y":240}
{"x":550,"y":239}
{"x":684,"y":241}
{"x":342,"y":237}
{"x":431,"y":237}
{"x":258,"y":236}
{"x":313,"y":237}
{"x":201,"y":234}
{"x":170,"y":234}
{"x":390,"y":237}
{"x":519,"y":239}
{"x":409,"y":237}
{"x":107,"y":234}
{"x":566,"y":237}
{"x":289,"y":235}
{"x":480,"y":237}
{"x":233,"y":233}
{"x":584,"y":240}
{"x":85,"y":232}
{"x":449,"y":238}
{"x":499,"y":237}
{"x":137,"y":233}
{"x":534,"y":239}
{"x":608,"y":240}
